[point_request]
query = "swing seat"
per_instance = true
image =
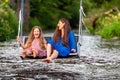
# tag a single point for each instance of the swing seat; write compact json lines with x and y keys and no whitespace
{"x":48,"y":37}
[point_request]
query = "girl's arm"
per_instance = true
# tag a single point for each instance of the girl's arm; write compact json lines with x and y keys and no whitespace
{"x":45,"y":43}
{"x":20,"y":42}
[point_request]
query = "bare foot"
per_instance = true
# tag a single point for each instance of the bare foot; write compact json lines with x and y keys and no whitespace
{"x":48,"y":60}
{"x":44,"y":60}
{"x":34,"y":55}
{"x":21,"y":57}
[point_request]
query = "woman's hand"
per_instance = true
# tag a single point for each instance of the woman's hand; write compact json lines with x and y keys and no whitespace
{"x":73,"y":50}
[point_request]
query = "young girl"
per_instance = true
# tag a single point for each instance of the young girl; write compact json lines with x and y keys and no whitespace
{"x":35,"y":44}
{"x":62,"y":43}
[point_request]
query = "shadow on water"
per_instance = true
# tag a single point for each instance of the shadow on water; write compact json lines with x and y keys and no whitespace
{"x":99,"y":60}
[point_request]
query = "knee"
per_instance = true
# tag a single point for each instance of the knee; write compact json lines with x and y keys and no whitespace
{"x":24,"y":51}
{"x":48,"y":45}
{"x":34,"y":51}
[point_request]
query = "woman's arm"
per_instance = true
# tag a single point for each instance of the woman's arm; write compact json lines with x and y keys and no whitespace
{"x":72,"y":42}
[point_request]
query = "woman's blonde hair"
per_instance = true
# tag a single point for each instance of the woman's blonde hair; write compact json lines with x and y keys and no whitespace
{"x":31,"y":38}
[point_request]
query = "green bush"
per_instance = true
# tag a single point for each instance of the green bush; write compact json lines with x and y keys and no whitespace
{"x":111,"y":29}
{"x":48,"y":12}
{"x":34,"y":22}
{"x":8,"y":23}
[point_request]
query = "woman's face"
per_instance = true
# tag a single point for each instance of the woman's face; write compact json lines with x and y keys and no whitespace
{"x":60,"y":25}
{"x":36,"y":33}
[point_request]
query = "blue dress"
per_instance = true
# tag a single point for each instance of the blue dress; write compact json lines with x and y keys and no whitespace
{"x":63,"y":50}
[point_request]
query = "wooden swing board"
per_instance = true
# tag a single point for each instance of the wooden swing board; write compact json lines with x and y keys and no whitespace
{"x":71,"y":55}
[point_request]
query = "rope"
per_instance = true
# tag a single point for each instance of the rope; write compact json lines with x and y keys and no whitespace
{"x":22,"y":14}
{"x":20,"y":25}
{"x":80,"y":29}
{"x":21,"y":18}
{"x":80,"y":26}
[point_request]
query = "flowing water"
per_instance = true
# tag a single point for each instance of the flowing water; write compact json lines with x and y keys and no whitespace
{"x":99,"y":60}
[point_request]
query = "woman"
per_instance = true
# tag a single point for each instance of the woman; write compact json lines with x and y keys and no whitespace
{"x":62,"y":43}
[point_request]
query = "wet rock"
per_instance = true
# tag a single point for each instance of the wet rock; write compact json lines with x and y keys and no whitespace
{"x":7,"y":78}
{"x":41,"y":77}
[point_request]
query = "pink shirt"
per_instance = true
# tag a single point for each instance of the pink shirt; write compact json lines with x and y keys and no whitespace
{"x":35,"y":45}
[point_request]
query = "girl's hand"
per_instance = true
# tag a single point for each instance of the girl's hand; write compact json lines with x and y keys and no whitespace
{"x":73,"y":50}
{"x":20,"y":42}
{"x":18,"y":39}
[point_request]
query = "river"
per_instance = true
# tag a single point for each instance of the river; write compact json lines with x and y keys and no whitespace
{"x":99,"y":60}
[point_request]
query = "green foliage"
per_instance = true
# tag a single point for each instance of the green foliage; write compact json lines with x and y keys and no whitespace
{"x":8,"y":23}
{"x":48,"y":12}
{"x":110,"y":26}
{"x":88,"y":6}
{"x":104,"y":23}
{"x":112,"y":30}
{"x":3,"y":2}
{"x":91,"y":30}
{"x":34,"y":22}
{"x":102,"y":5}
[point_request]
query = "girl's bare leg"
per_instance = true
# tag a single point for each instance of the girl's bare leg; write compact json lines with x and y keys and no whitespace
{"x":28,"y":53}
{"x":23,"y":55}
{"x":34,"y":53}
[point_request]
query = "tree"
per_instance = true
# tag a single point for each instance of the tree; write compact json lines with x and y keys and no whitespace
{"x":8,"y":22}
{"x":46,"y":13}
{"x":16,"y":5}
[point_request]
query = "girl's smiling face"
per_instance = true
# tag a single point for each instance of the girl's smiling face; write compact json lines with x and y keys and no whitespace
{"x":36,"y":33}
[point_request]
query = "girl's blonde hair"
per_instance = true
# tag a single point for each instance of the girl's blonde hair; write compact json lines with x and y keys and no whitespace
{"x":31,"y":38}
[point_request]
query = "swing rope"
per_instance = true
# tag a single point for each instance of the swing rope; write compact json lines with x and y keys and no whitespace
{"x":21,"y":18}
{"x":80,"y":29}
{"x":20,"y":25}
{"x":80,"y":35}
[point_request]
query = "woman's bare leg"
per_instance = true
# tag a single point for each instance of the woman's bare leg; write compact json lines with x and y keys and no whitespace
{"x":49,"y":50}
{"x":50,"y":56}
{"x":54,"y":55}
